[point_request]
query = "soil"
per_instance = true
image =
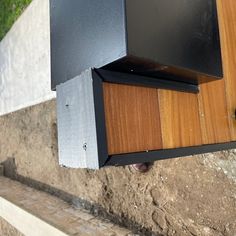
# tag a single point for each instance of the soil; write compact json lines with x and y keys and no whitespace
{"x":185,"y":196}
{"x":7,"y":230}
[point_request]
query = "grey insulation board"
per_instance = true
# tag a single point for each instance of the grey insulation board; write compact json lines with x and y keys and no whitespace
{"x":77,"y":135}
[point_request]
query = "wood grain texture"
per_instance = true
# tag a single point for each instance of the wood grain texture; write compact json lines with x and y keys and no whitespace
{"x":140,"y":119}
{"x":132,"y":118}
{"x":180,"y":120}
{"x":213,"y":112}
{"x":227,"y":22}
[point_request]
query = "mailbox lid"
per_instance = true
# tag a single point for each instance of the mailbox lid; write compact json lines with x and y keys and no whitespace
{"x":84,"y":34}
{"x":180,"y":36}
{"x":175,"y":40}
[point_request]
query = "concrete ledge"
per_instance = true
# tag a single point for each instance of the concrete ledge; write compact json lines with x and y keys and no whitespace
{"x":36,"y":213}
{"x":25,"y":222}
{"x":25,"y":74}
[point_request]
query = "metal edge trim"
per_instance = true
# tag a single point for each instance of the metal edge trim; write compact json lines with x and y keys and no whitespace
{"x":100,"y":119}
{"x":140,"y":157}
{"x":138,"y":80}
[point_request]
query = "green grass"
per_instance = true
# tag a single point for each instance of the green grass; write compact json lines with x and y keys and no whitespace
{"x":10,"y":10}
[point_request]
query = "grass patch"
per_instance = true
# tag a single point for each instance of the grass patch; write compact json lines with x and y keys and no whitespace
{"x":10,"y":10}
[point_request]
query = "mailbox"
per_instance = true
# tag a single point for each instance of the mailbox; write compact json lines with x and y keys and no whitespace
{"x":128,"y":71}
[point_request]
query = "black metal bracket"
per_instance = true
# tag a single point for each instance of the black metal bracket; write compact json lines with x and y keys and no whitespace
{"x":140,"y":157}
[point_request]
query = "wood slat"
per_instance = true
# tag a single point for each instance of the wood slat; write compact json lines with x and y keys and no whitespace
{"x":132,"y":118}
{"x":180,"y":120}
{"x":213,"y":112}
{"x":227,"y":21}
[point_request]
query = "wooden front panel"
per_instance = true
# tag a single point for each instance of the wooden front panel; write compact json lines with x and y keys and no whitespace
{"x":140,"y":119}
{"x":213,"y":113}
{"x":179,"y":119}
{"x":227,"y":21}
{"x":132,"y":118}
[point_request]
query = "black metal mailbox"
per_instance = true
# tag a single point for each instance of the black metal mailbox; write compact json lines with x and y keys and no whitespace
{"x":166,"y":44}
{"x":173,"y":40}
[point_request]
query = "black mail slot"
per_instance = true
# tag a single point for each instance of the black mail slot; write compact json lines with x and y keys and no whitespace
{"x":168,"y":39}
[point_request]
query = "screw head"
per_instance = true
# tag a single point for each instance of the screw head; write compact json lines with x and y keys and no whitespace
{"x":85,"y":146}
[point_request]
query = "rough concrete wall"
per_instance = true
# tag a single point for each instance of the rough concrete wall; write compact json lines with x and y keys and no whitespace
{"x":185,"y":196}
{"x":7,"y":230}
{"x":25,"y":60}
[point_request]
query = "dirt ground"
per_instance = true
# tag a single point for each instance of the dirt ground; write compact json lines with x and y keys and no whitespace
{"x":7,"y":230}
{"x":185,"y":196}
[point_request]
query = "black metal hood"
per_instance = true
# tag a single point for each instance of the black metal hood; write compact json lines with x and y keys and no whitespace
{"x":168,"y":39}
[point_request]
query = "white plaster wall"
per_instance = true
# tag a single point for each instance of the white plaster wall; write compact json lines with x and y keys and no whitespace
{"x":25,"y":60}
